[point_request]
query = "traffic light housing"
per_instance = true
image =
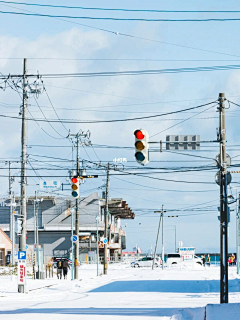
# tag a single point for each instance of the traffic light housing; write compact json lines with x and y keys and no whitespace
{"x":141,"y":146}
{"x":75,"y":187}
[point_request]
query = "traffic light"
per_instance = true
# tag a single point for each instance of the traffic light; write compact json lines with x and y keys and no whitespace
{"x":18,"y":226}
{"x":141,"y":146}
{"x":75,"y":187}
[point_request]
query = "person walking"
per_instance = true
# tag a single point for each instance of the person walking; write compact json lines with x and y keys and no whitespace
{"x":65,"y":268}
{"x":208,"y":260}
{"x":59,"y":269}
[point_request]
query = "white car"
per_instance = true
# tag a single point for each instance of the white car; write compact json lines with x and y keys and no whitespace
{"x":146,"y":262}
{"x":175,"y":259}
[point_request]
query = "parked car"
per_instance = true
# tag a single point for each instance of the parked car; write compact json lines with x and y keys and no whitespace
{"x":176,"y":258}
{"x":146,"y":262}
{"x":56,"y":259}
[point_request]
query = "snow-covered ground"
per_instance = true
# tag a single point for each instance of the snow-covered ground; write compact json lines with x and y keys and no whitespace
{"x":125,"y":293}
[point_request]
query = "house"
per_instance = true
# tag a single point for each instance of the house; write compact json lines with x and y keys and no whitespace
{"x":54,"y":226}
{"x":5,"y":248}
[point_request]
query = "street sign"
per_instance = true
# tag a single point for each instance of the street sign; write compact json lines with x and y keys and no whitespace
{"x":26,"y":247}
{"x":217,"y":178}
{"x":22,"y":255}
{"x":182,"y":142}
{"x":105,"y":241}
{"x":53,"y":184}
{"x":217,"y":160}
{"x":74,"y":238}
{"x":22,"y":272}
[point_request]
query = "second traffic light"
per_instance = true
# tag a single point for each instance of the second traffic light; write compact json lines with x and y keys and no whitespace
{"x":141,"y":146}
{"x":75,"y":187}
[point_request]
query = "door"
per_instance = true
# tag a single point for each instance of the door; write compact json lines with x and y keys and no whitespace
{"x":2,"y":257}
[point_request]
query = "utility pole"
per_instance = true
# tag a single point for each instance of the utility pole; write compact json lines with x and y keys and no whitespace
{"x":161,"y":218}
{"x":162,"y":241}
{"x":82,"y":138}
{"x":175,"y":238}
{"x":223,"y":202}
{"x":37,"y":236}
{"x":238,"y":227}
{"x":76,"y":253}
{"x":155,"y":251}
{"x":11,"y":196}
{"x":106,"y":222}
{"x":24,"y":161}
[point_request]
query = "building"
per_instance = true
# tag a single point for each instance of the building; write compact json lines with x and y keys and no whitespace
{"x":54,"y":226}
{"x":5,"y":248}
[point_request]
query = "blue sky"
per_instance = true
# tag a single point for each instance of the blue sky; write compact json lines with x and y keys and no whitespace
{"x":126,"y":97}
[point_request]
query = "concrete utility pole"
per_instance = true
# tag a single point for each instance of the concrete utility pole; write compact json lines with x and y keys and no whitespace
{"x":82,"y":138}
{"x":24,"y":161}
{"x":106,"y":222}
{"x":155,"y":251}
{"x":11,"y":198}
{"x":223,"y":202}
{"x":161,"y":218}
{"x":238,"y":233}
{"x":76,"y":253}
{"x":162,"y":241}
{"x":37,"y":237}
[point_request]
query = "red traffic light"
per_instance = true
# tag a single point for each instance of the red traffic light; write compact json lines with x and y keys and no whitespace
{"x":139,"y":134}
{"x":74,"y":180}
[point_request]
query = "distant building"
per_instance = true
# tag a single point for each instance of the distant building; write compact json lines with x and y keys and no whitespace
{"x":5,"y":248}
{"x":54,"y":226}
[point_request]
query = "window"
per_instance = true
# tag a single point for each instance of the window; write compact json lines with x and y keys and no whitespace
{"x":116,"y":237}
{"x":144,"y":259}
{"x":149,"y":258}
{"x":173,"y":255}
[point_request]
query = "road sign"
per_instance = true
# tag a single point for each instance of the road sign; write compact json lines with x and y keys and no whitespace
{"x":217,"y":178}
{"x":26,"y":247}
{"x":105,"y":241}
{"x":22,"y":255}
{"x":53,"y":184}
{"x":74,"y":238}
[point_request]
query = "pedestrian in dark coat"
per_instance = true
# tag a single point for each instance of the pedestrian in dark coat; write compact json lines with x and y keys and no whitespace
{"x":65,"y":268}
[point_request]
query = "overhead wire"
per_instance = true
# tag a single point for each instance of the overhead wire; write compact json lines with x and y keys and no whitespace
{"x":119,"y":19}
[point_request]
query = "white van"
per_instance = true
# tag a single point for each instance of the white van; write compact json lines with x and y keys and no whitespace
{"x":176,"y":259}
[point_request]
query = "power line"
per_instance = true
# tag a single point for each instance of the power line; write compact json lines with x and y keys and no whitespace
{"x":134,"y":36}
{"x":120,"y":9}
{"x":109,"y":121}
{"x":120,"y":19}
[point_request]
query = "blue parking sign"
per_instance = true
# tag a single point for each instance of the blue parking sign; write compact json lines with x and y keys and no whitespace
{"x":22,"y":255}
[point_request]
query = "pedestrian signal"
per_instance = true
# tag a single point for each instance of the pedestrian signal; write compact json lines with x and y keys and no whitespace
{"x":141,"y":146}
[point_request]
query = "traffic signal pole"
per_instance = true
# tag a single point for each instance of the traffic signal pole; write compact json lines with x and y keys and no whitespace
{"x":106,"y":222}
{"x":223,"y":203}
{"x":24,"y":161}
